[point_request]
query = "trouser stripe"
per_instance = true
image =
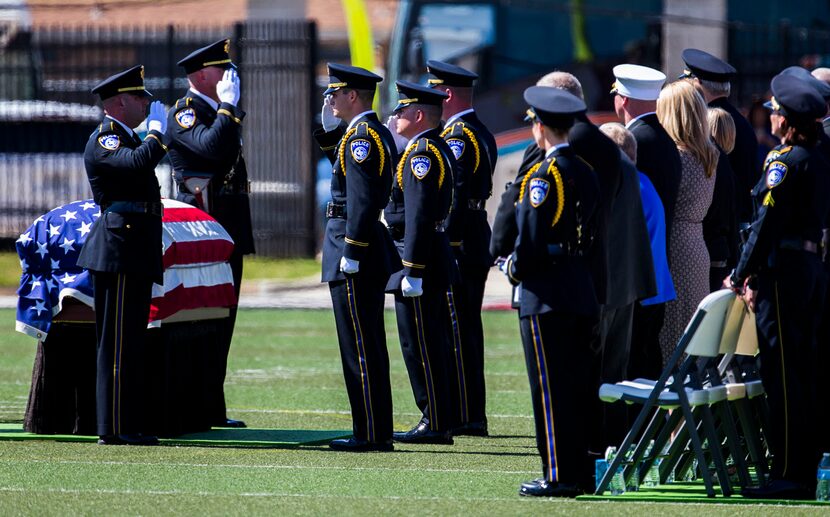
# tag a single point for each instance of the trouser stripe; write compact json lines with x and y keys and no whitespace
{"x":459,"y":355}
{"x":361,"y":353}
{"x":118,"y":345}
{"x":541,"y":365}
{"x":419,"y":328}
{"x":783,"y":383}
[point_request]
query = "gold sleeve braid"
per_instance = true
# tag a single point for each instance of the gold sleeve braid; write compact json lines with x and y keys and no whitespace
{"x":342,"y":150}
{"x":440,"y":160}
{"x":553,"y":170}
{"x":528,"y":174}
{"x":472,"y":138}
{"x":401,"y":162}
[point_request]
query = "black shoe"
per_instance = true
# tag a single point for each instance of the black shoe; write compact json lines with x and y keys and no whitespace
{"x":230,"y":423}
{"x":421,"y":433}
{"x":779,"y":489}
{"x":128,"y":439}
{"x":543,"y":488}
{"x":471,"y":429}
{"x":354,"y":445}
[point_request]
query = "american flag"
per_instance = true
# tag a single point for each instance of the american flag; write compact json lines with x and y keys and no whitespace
{"x":196,"y":272}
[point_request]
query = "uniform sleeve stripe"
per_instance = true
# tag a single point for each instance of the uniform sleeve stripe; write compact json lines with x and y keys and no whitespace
{"x":413,"y":265}
{"x":159,"y":141}
{"x":356,"y":243}
{"x":223,"y":111}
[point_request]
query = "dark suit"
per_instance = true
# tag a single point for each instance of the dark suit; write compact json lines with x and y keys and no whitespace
{"x":207,"y":143}
{"x":362,"y":163}
{"x":720,"y":226}
{"x":743,"y":159}
{"x":124,"y":254}
{"x":658,"y":158}
{"x":474,"y":148}
{"x":824,"y":325}
{"x":557,"y":208}
{"x":416,"y":214}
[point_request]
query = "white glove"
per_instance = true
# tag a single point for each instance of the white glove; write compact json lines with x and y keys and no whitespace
{"x":157,"y":119}
{"x":411,"y":286}
{"x":327,"y":116}
{"x":228,"y":88}
{"x":503,"y":265}
{"x":349,"y":266}
{"x":392,"y":126}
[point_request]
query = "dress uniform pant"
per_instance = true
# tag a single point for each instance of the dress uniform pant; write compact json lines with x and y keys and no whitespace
{"x":222,"y":346}
{"x":122,"y":308}
{"x":463,"y":305}
{"x":358,"y":314}
{"x":787,"y":308}
{"x":425,"y":346}
{"x":558,"y":357}
{"x":823,"y":351}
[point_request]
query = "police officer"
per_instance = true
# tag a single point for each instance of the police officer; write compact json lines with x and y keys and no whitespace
{"x":358,"y":254}
{"x":781,"y":267}
{"x":205,"y":149}
{"x":475,"y":151}
{"x":557,"y":207}
{"x":417,"y":212}
{"x":712,"y":76}
{"x":123,"y":251}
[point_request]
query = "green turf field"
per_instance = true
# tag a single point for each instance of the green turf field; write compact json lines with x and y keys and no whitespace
{"x":284,"y":373}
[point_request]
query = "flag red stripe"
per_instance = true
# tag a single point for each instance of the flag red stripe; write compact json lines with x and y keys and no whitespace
{"x":185,"y":215}
{"x":184,"y":298}
{"x":197,"y":252}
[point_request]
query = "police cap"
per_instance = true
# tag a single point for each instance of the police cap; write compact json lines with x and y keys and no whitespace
{"x":450,"y":75}
{"x":128,"y":81}
{"x":553,"y":107}
{"x":215,"y":54}
{"x":795,"y":98}
{"x":705,"y":66}
{"x":411,"y":93}
{"x":820,"y":86}
{"x":347,"y":76}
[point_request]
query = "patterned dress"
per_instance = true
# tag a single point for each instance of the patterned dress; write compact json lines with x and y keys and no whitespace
{"x":688,"y":257}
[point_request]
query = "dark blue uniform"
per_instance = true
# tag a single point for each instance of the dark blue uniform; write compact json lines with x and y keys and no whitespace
{"x":124,"y":254}
{"x":363,"y":160}
{"x":474,"y":148}
{"x":416,"y":214}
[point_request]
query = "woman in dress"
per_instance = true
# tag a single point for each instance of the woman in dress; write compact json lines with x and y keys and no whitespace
{"x":682,"y":112}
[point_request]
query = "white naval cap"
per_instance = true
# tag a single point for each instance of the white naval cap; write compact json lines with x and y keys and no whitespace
{"x":638,"y":82}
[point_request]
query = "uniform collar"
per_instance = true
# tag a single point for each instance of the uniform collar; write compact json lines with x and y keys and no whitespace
{"x":357,"y":117}
{"x":127,"y":129}
{"x":638,"y":117}
{"x":416,"y":137}
{"x":458,"y":116}
{"x":212,"y":103}
{"x":556,"y":148}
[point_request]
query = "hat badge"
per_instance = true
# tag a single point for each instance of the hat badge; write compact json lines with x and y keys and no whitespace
{"x":227,"y":46}
{"x":141,"y":72}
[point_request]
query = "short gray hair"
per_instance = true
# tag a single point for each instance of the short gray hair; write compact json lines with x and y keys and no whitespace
{"x":716,"y":88}
{"x":563,"y":81}
{"x":822,"y":74}
{"x":622,"y":137}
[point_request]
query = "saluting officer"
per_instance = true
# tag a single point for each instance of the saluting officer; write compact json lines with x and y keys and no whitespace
{"x":205,"y":149}
{"x":417,"y":212}
{"x":781,"y":265}
{"x":558,"y":204}
{"x":358,"y":254}
{"x":475,"y":151}
{"x":123,"y":251}
{"x":712,"y":76}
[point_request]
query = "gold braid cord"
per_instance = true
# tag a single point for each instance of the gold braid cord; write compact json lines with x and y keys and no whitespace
{"x":472,"y":138}
{"x":528,"y":174}
{"x":401,"y":162}
{"x":560,"y":191}
{"x":405,"y":157}
{"x":376,"y":137}
{"x":342,"y":151}
{"x":440,"y":161}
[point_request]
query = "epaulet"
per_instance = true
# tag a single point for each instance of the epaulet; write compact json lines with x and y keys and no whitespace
{"x":456,"y":129}
{"x":422,"y":145}
{"x":362,"y":129}
{"x":183,"y":103}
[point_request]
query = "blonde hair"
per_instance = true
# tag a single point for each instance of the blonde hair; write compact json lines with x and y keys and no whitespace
{"x":622,"y":137}
{"x":682,"y":112}
{"x":722,"y":128}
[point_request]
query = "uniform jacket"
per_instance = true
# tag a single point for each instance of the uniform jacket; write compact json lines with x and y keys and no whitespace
{"x":474,"y":148}
{"x":363,"y":160}
{"x":558,"y":205}
{"x":122,"y":168}
{"x":743,"y":159}
{"x":792,"y":203}
{"x":720,"y":226}
{"x":424,"y":181}
{"x":208,"y":142}
{"x":658,"y":158}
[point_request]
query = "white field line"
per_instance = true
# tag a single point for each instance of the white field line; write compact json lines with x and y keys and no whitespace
{"x":341,"y":412}
{"x":261,"y":467}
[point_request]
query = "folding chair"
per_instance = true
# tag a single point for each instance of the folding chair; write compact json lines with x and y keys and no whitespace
{"x":677,"y":388}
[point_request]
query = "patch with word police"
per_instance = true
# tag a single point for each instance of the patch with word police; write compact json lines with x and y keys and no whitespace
{"x":360,"y":150}
{"x":775,"y":174}
{"x":457,"y":147}
{"x":775,"y":154}
{"x":420,"y":166}
{"x":186,"y":118}
{"x":109,"y":142}
{"x":539,"y":189}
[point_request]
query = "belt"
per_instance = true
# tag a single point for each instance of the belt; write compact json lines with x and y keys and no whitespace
{"x":135,"y":207}
{"x":798,"y":245}
{"x":476,"y":204}
{"x":335,"y":210}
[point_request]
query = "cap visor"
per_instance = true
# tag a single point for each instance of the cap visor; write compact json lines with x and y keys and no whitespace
{"x":329,"y":91}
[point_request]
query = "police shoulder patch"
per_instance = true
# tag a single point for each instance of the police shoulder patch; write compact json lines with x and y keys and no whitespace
{"x":360,"y":149}
{"x":420,"y":166}
{"x":457,"y":147}
{"x":186,"y":118}
{"x":776,"y":172}
{"x":539,"y":189}
{"x":109,"y":142}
